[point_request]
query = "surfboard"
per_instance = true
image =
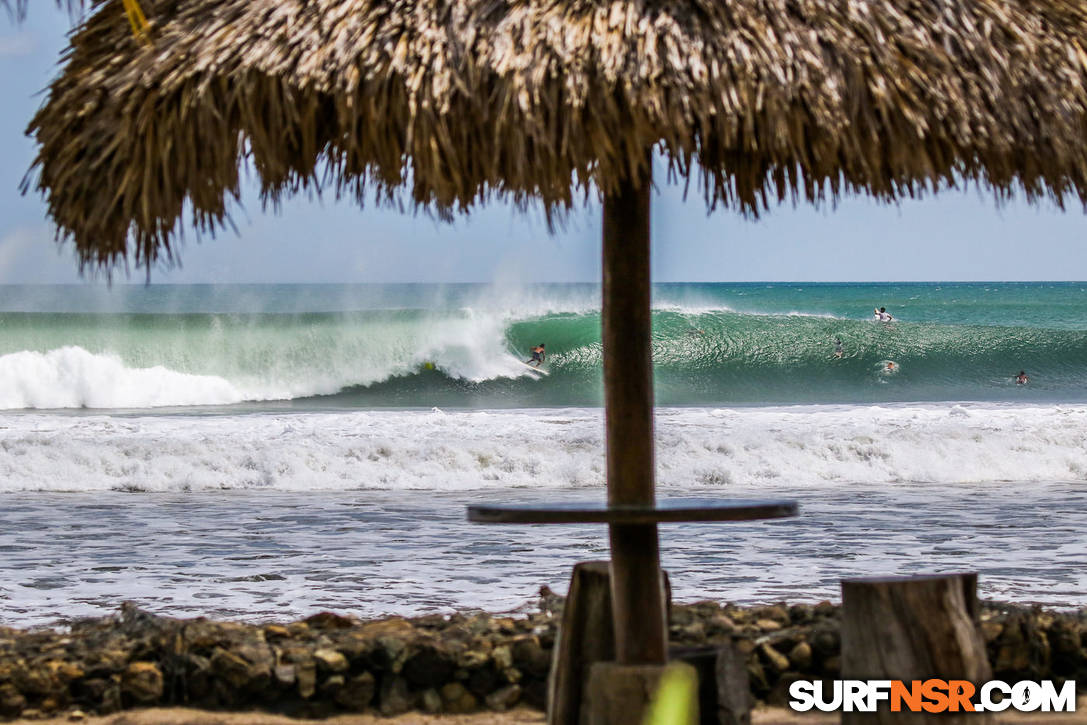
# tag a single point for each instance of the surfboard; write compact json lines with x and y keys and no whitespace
{"x":535,"y":369}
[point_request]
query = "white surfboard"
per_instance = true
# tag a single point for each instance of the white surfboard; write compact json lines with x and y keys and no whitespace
{"x":535,"y":369}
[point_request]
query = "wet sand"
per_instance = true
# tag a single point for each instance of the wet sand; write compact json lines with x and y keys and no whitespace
{"x":518,"y":716}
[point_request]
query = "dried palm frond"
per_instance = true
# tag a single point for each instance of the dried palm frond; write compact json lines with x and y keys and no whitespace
{"x":455,"y":101}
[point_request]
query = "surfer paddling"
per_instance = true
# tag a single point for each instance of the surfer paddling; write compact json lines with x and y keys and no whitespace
{"x":538,"y":355}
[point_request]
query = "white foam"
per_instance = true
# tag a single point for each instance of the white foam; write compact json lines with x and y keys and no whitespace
{"x":697,"y":449}
{"x":71,"y":377}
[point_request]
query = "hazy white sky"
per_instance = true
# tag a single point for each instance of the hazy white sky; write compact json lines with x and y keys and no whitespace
{"x":959,"y":236}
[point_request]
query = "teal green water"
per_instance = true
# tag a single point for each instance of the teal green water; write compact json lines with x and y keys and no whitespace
{"x":425,"y":345}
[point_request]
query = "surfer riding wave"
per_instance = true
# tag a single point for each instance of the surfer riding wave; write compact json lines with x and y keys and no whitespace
{"x":538,"y":355}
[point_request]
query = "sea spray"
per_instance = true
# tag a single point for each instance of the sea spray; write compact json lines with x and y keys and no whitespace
{"x":717,"y":450}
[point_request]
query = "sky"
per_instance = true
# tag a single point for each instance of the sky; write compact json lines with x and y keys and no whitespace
{"x":956,"y":236}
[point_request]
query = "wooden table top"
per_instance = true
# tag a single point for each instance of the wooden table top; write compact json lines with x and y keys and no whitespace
{"x":666,"y":511}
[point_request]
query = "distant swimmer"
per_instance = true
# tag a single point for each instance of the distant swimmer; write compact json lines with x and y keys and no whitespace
{"x":1021,"y":378}
{"x":882,"y":315}
{"x":838,"y":351}
{"x":891,"y":367}
{"x":537,"y":355}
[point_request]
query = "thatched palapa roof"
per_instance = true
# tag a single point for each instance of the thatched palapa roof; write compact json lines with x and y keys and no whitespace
{"x":456,"y":101}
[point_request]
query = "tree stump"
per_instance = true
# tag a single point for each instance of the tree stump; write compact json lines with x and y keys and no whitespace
{"x":913,"y":628}
{"x":724,"y":692}
{"x":586,"y":635}
{"x":622,"y":694}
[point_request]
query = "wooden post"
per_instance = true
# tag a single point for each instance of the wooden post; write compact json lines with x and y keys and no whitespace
{"x":912,"y":628}
{"x":637,"y":592}
{"x":724,"y":691}
{"x":585,"y":636}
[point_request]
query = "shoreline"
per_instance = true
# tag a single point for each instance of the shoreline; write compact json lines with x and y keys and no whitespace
{"x":470,"y":663}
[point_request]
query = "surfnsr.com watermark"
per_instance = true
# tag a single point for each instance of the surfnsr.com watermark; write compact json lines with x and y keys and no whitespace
{"x":932,"y":696}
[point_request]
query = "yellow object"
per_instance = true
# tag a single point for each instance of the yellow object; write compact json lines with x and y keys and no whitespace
{"x":140,"y":27}
{"x":675,"y":700}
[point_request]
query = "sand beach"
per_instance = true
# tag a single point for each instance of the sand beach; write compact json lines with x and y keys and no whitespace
{"x":184,"y":716}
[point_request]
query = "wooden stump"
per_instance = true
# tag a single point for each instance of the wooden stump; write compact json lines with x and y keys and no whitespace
{"x":724,"y":691}
{"x":586,"y":635}
{"x":621,"y":694}
{"x":913,"y":628}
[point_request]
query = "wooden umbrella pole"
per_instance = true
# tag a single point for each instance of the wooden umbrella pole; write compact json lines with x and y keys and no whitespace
{"x":637,"y":590}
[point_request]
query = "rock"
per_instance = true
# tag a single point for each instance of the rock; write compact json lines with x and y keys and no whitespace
{"x":12,"y":701}
{"x":692,"y":632}
{"x":1012,"y":650}
{"x":64,"y":672}
{"x":826,"y":642}
{"x":778,"y":662}
{"x":230,"y":667}
{"x":306,"y":674}
{"x":776,"y":613}
{"x":330,"y":660}
{"x":431,"y":701}
{"x":259,"y":659}
{"x":1064,"y":644}
{"x":329,"y":620}
{"x":991,"y":630}
{"x":722,"y":623}
{"x":142,"y":682}
{"x":285,"y":675}
{"x":825,"y":609}
{"x":503,"y":657}
{"x":35,"y":681}
{"x":331,"y":686}
{"x":457,"y":699}
{"x":504,"y":698}
{"x":768,"y":625}
{"x":801,"y":614}
{"x":357,"y":692}
{"x":430,"y":667}
{"x":111,"y":697}
{"x":483,"y":680}
{"x":800,"y":656}
{"x":530,"y":657}
{"x":756,"y":675}
{"x":832,"y":665}
{"x":474,"y":658}
{"x":505,"y":625}
{"x":76,"y":716}
{"x":395,"y":698}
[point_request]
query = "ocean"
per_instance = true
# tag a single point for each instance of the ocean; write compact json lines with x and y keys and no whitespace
{"x":262,"y":452}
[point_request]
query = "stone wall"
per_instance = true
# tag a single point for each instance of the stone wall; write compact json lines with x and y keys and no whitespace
{"x":328,"y":664}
